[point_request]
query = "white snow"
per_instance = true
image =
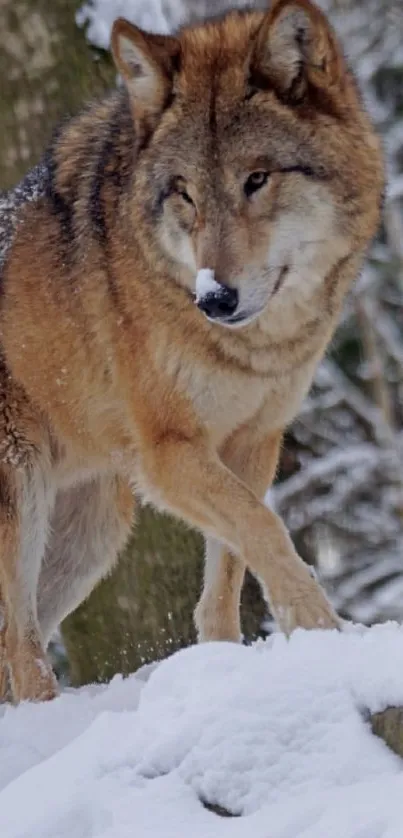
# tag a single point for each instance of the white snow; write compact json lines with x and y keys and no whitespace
{"x":206,"y":284}
{"x":159,"y":16}
{"x":274,"y":733}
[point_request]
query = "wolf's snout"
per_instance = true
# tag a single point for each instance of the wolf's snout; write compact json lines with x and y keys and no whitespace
{"x":219,"y":303}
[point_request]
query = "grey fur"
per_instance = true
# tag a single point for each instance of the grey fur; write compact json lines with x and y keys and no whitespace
{"x":87,"y":533}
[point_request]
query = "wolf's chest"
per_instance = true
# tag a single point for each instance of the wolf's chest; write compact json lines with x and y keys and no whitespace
{"x":224,"y":401}
{"x":224,"y":396}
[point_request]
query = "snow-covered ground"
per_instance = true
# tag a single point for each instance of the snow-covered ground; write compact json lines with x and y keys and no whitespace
{"x":275,"y":734}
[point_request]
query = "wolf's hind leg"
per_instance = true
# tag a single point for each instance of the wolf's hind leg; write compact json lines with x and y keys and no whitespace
{"x":24,"y":508}
{"x":89,"y":526}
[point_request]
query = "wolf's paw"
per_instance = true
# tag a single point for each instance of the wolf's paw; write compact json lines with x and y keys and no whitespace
{"x":214,"y":623}
{"x":308,"y":608}
{"x":310,"y":615}
{"x":34,"y":681}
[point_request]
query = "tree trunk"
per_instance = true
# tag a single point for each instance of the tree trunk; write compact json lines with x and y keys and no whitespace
{"x":47,"y":71}
{"x":143,"y":611}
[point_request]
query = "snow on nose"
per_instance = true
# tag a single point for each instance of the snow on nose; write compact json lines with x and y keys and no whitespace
{"x":206,"y":284}
{"x":215,"y":300}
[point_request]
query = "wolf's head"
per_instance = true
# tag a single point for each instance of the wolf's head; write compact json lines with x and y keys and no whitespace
{"x":256,"y":160}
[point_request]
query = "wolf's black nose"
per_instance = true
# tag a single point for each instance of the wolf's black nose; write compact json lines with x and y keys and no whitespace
{"x":220,"y":303}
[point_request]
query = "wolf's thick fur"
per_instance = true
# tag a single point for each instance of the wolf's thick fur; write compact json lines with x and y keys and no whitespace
{"x":240,"y":146}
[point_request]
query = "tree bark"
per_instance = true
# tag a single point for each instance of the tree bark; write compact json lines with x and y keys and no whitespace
{"x":388,"y":725}
{"x":143,"y":611}
{"x":47,"y":72}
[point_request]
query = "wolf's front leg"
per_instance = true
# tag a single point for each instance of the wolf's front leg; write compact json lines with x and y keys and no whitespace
{"x":252,"y":455}
{"x":190,"y":480}
{"x":24,"y":507}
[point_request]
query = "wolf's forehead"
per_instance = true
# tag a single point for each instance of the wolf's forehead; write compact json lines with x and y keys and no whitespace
{"x":207,"y":81}
{"x":230,"y":36}
{"x":217,"y":53}
{"x":218,"y":118}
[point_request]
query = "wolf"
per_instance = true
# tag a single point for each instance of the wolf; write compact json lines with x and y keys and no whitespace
{"x":172,"y":273}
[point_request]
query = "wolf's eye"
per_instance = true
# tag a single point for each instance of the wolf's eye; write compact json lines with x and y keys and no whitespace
{"x":179,"y":188}
{"x":254,"y":182}
{"x":186,"y":197}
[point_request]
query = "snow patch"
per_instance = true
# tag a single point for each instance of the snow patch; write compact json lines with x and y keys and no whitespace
{"x":274,"y":733}
{"x":159,"y":16}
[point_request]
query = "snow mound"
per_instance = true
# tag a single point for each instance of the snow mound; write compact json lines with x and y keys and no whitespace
{"x":274,"y":733}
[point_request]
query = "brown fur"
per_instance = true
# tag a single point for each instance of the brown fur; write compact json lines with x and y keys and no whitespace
{"x":112,"y":377}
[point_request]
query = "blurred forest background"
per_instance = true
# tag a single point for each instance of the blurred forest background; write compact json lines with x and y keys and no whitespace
{"x":340,"y":485}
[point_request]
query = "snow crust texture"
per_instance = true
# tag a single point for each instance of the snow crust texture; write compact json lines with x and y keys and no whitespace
{"x":275,"y":734}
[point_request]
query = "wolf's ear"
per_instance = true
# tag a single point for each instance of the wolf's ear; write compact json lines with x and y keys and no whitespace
{"x":147,"y":63}
{"x":296,"y":47}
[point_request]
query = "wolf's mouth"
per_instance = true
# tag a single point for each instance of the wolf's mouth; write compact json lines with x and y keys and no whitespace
{"x":238,"y":320}
{"x":280,"y":280}
{"x":243,"y":318}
